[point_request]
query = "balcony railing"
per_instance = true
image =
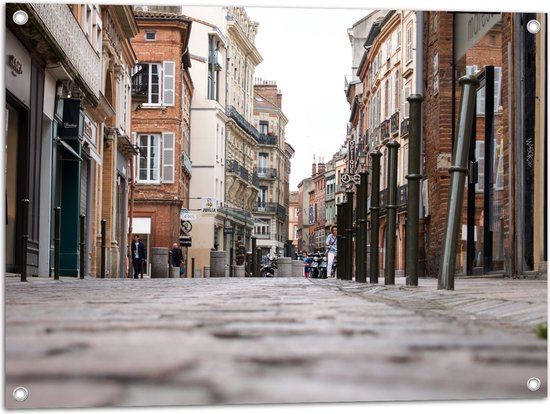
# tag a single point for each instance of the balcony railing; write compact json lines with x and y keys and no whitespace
{"x":374,"y":137}
{"x":271,"y":208}
{"x":402,"y":192}
{"x":385,"y":130}
{"x":255,"y":180}
{"x":266,"y":173}
{"x":186,"y":163}
{"x":383,"y":197}
{"x":405,"y":127}
{"x":243,"y":173}
{"x":394,"y":121}
{"x":243,"y":123}
{"x":233,"y":166}
{"x":267,"y":139}
{"x":140,"y":87}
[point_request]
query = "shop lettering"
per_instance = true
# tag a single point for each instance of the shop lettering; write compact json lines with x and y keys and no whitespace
{"x":476,"y":23}
{"x":15,"y":65}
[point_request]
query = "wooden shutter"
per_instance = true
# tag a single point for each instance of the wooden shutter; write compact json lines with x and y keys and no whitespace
{"x":168,"y":149}
{"x":169,"y":74}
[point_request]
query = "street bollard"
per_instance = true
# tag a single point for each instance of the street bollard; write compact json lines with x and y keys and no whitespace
{"x":192,"y":267}
{"x":361,"y":239}
{"x":82,"y":255}
{"x":458,"y":173}
{"x":349,"y":236}
{"x":258,"y":260}
{"x":343,"y":242}
{"x":254,"y":257}
{"x":391,"y":213}
{"x":24,"y":237}
{"x":375,"y":216}
{"x":103,"y":248}
{"x":339,"y":242}
{"x":248,"y":264}
{"x":170,"y":263}
{"x":57,"y":242}
{"x":231,"y":264}
{"x":413,"y":191}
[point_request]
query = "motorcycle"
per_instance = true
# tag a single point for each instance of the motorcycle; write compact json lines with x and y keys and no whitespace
{"x":323,"y":267}
{"x":268,"y":266}
{"x":315,"y":268}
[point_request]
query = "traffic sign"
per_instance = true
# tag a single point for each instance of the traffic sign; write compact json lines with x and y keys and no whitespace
{"x":185,"y":241}
{"x":186,"y":215}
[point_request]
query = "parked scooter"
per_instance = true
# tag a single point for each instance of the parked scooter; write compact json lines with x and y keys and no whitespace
{"x":323,"y":267}
{"x":268,"y":266}
{"x":318,"y":267}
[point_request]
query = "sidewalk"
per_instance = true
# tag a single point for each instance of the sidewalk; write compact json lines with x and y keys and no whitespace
{"x":144,"y":342}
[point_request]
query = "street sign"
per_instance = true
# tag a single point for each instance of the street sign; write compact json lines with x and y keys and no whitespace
{"x":185,"y":241}
{"x":186,"y":215}
{"x":228,"y":230}
{"x":356,"y":178}
{"x":345,"y":178}
{"x":185,"y":227}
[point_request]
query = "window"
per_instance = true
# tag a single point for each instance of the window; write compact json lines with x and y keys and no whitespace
{"x":261,"y":227}
{"x":149,"y":165}
{"x":149,"y":158}
{"x":480,"y":158}
{"x":397,"y":90}
{"x":480,"y":97}
{"x":386,"y":97}
{"x":295,"y":232}
{"x":391,"y":97}
{"x":213,"y":68}
{"x":262,"y":163}
{"x":262,"y":197}
{"x":264,"y":127}
{"x":152,"y":76}
{"x":406,"y":94}
{"x":150,"y":36}
{"x":388,"y":50}
{"x":398,"y":45}
{"x":409,"y":55}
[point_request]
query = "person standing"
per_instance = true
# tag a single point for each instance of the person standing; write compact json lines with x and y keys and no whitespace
{"x":177,"y":259}
{"x":331,"y":249}
{"x":138,"y":256}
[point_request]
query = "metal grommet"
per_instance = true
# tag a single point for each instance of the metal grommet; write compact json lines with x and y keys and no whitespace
{"x":20,"y":17}
{"x":533,"y":26}
{"x":20,"y":394}
{"x":533,"y":384}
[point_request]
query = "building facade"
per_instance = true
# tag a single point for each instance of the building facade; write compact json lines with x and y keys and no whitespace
{"x":67,"y":99}
{"x":272,"y":156}
{"x":161,"y":126}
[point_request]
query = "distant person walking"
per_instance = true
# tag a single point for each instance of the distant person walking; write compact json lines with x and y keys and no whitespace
{"x":331,"y":249}
{"x":177,"y":260}
{"x":138,"y":256}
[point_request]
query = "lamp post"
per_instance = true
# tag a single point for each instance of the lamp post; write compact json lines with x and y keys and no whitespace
{"x":361,"y":215}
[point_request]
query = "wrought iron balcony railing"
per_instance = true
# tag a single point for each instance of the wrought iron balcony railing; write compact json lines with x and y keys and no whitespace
{"x":267,"y":139}
{"x":402,"y":192}
{"x":405,"y":127}
{"x":394,"y":121}
{"x":243,"y":123}
{"x":265,"y":173}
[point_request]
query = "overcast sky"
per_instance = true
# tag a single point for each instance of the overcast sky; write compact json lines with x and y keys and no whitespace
{"x":308,"y":53}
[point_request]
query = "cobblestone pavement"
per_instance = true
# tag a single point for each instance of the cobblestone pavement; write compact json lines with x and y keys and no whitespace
{"x":165,"y":342}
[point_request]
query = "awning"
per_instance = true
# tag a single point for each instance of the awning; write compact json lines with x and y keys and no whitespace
{"x":68,"y":148}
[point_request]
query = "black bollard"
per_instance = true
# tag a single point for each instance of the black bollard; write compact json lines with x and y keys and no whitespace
{"x":170,"y":263}
{"x":349,"y":236}
{"x":57,"y":242}
{"x":82,"y":245}
{"x":192,"y":267}
{"x":24,"y":237}
{"x":258,"y":260}
{"x":391,"y":213}
{"x":339,"y":242}
{"x":458,"y":172}
{"x":361,"y":239}
{"x":254,"y":258}
{"x":103,"y":248}
{"x":413,"y":191}
{"x":375,"y":216}
{"x":231,"y":258}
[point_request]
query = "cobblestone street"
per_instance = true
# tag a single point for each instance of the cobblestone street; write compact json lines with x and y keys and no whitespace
{"x":93,"y":343}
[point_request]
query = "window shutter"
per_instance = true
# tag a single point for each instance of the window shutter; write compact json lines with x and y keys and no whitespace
{"x":169,"y":74}
{"x":480,"y":101}
{"x":498,"y":80}
{"x":480,"y":158}
{"x":168,"y":139}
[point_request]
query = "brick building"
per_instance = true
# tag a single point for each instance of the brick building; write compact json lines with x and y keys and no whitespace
{"x":161,"y":126}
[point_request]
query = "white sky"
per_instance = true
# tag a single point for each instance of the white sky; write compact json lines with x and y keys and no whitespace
{"x":308,"y":53}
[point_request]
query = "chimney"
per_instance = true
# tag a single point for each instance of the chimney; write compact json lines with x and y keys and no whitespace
{"x":313,"y":169}
{"x":321,"y":167}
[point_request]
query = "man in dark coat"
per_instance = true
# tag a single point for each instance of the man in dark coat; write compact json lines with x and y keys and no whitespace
{"x":139,"y":255}
{"x":177,"y":258}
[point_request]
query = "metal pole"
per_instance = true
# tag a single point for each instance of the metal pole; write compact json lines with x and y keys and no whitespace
{"x":413,"y":190}
{"x":458,"y":173}
{"x":374,"y":216}
{"x":103,"y":249}
{"x":391,"y":207}
{"x":57,"y":242}
{"x":254,"y":257}
{"x":361,"y":239}
{"x":170,"y":263}
{"x":349,"y":235}
{"x":258,"y":260}
{"x":488,"y":169}
{"x":192,"y":267}
{"x":82,"y":244}
{"x":24,"y":237}
{"x":343,"y":242}
{"x":470,"y":227}
{"x":231,"y":252}
{"x":339,"y":241}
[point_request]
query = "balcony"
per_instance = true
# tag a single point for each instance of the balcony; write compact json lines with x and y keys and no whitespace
{"x":383,"y":198}
{"x":394,"y":121}
{"x":265,"y":173}
{"x":266,"y":139}
{"x":402,"y":192}
{"x":243,"y":123}
{"x":186,"y":163}
{"x":140,"y":86}
{"x":255,"y":180}
{"x":374,"y":138}
{"x":385,"y":130}
{"x":405,"y":127}
{"x":271,"y":208}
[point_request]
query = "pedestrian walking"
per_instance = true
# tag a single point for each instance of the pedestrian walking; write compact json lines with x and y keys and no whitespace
{"x":331,"y":249}
{"x":139,"y":256}
{"x":177,"y":260}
